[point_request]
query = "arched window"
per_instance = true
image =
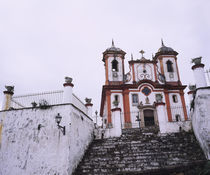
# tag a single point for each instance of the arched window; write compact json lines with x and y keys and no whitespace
{"x":178,"y":118}
{"x":115,"y":65}
{"x":116,"y":98}
{"x":169,"y":66}
{"x":175,"y":99}
{"x":135,"y":99}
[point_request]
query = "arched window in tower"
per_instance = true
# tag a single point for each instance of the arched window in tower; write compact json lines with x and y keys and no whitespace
{"x":115,"y":65}
{"x":178,"y":117}
{"x":175,"y":99}
{"x":169,"y":66}
{"x":116,"y":98}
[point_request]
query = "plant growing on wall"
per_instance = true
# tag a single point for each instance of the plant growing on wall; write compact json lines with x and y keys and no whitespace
{"x":159,"y":98}
{"x":34,"y":104}
{"x":43,"y":104}
{"x":116,"y":103}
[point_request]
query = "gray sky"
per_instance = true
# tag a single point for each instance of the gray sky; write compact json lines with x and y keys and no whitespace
{"x":42,"y":41}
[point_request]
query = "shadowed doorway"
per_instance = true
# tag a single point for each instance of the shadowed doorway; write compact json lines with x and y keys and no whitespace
{"x":149,"y":117}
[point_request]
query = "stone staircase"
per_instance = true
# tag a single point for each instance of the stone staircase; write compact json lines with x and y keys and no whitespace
{"x":142,"y":152}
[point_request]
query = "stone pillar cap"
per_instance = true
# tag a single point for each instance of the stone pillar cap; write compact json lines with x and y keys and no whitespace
{"x":68,"y":82}
{"x":197,"y":66}
{"x":9,"y":90}
{"x":88,"y":104}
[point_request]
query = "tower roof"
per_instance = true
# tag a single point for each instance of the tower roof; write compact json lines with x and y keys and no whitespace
{"x":114,"y":49}
{"x":164,"y":50}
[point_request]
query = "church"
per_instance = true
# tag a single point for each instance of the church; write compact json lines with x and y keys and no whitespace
{"x":150,"y":94}
{"x":146,"y":125}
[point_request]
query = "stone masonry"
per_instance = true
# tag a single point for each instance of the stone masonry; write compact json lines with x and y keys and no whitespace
{"x":142,"y":152}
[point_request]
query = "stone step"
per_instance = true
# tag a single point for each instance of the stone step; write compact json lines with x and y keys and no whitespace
{"x":137,"y":152}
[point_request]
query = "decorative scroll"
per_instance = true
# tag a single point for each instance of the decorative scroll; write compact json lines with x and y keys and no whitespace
{"x":144,"y":72}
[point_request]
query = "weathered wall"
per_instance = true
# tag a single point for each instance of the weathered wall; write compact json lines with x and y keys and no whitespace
{"x":201,"y":119}
{"x":26,"y":150}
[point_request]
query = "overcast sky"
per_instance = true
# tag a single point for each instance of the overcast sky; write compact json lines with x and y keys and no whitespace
{"x":42,"y":41}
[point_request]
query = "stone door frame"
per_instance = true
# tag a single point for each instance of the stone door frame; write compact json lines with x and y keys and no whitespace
{"x":141,"y":112}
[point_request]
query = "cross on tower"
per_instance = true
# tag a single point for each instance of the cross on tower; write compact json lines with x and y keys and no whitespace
{"x":142,"y":53}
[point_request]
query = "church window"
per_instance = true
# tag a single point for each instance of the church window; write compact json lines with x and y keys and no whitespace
{"x":146,"y":91}
{"x":115,"y":65}
{"x":116,"y":98}
{"x":175,"y":99}
{"x":135,"y":99}
{"x":169,"y":66}
{"x":178,"y":118}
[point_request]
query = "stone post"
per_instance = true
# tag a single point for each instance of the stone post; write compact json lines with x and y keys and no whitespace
{"x":89,"y":106}
{"x":199,"y":75}
{"x":67,"y":94}
{"x":161,"y":113}
{"x":8,"y":97}
{"x":116,"y":120}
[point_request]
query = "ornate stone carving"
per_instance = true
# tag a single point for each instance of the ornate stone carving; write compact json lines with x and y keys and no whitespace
{"x":68,"y":79}
{"x":10,"y":88}
{"x":88,"y":100}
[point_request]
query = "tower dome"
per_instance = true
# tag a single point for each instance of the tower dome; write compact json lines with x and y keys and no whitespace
{"x":164,"y":50}
{"x":113,"y":50}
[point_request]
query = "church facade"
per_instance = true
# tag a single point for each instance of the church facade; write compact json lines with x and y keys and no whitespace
{"x":150,"y":94}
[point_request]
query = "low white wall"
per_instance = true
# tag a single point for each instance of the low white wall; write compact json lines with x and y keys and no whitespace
{"x":25,"y":150}
{"x":201,"y":119}
{"x":171,"y":127}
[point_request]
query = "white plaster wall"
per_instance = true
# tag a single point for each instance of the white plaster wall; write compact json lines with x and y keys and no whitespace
{"x":105,"y":114}
{"x":116,"y":130}
{"x":162,"y":118}
{"x":190,"y":98}
{"x":201,"y":119}
{"x":171,"y":127}
{"x":199,"y":76}
{"x":167,"y":74}
{"x":120,"y":69}
{"x":149,"y":67}
{"x":25,"y":150}
{"x":78,"y":103}
{"x":176,"y":108}
{"x":120,"y":103}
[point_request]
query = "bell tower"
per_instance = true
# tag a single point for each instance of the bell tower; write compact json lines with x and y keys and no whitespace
{"x":113,"y":58}
{"x":167,"y":64}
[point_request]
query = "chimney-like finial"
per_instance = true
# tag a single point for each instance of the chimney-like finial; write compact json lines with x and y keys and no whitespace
{"x":162,"y":42}
{"x":113,"y":43}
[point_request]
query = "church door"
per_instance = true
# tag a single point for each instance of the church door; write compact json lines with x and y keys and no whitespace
{"x":149,"y":117}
